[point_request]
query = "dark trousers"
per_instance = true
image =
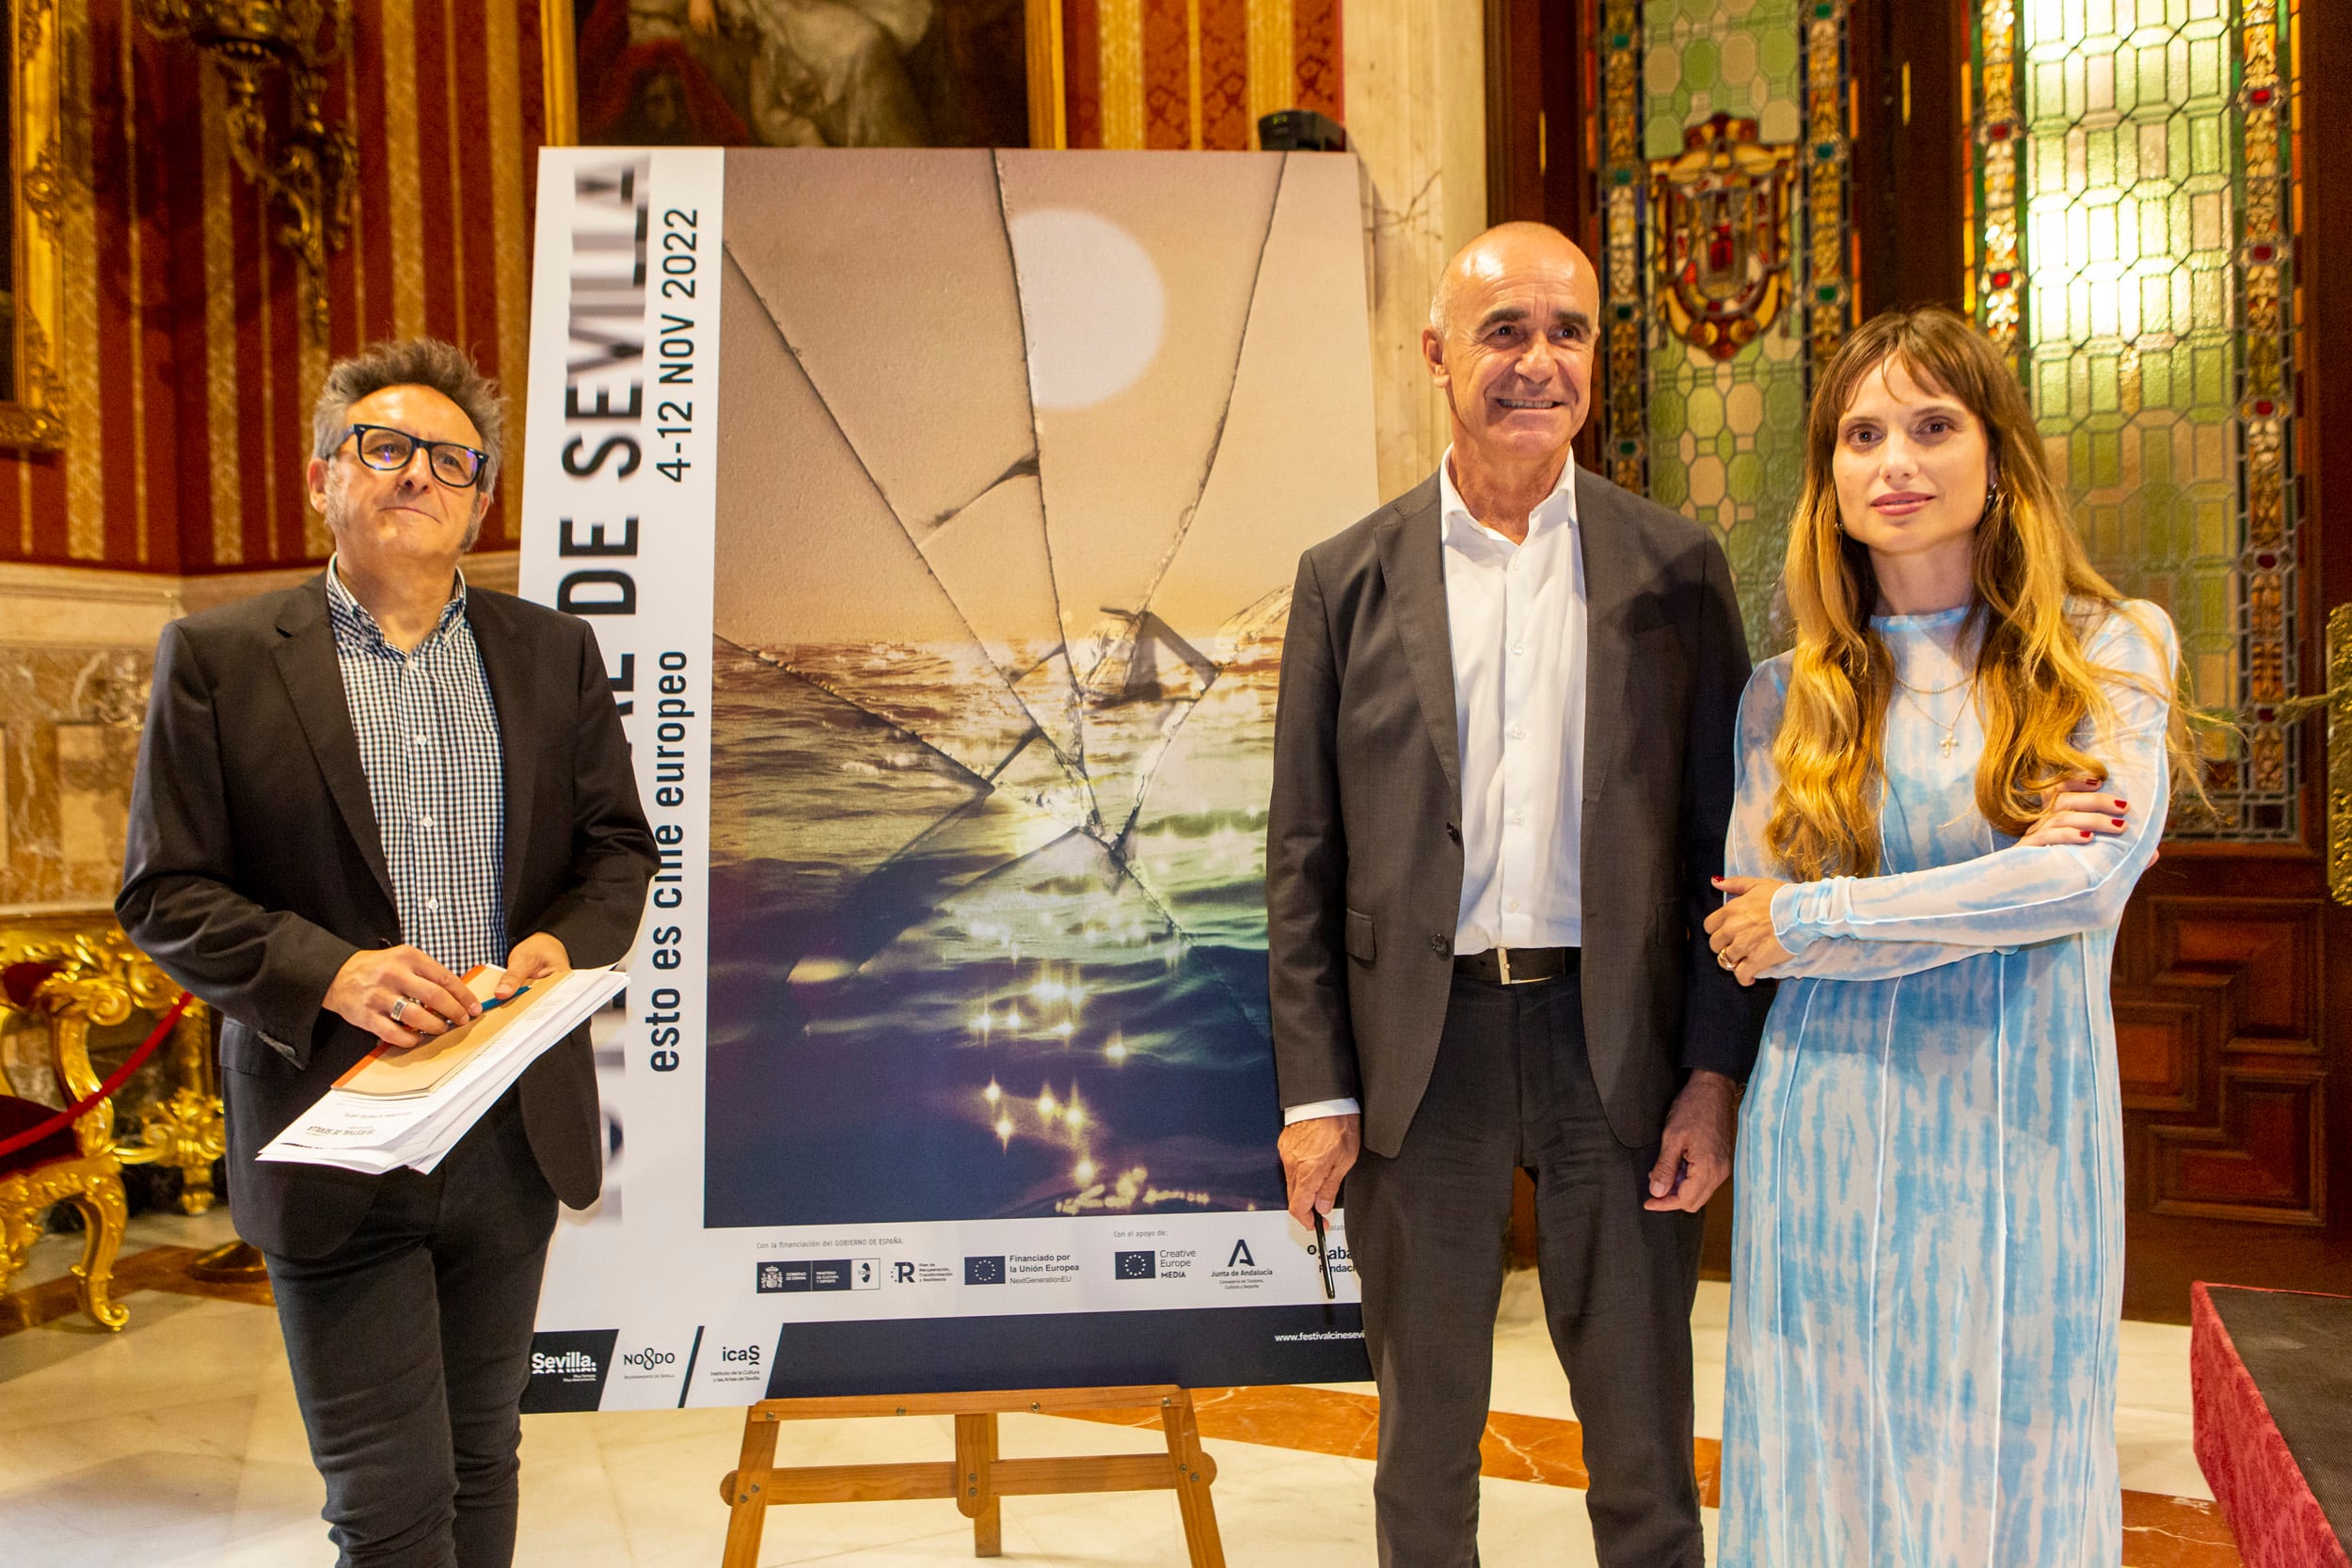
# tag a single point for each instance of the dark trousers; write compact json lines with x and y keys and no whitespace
{"x":411,"y":1345}
{"x":1510,"y":1089}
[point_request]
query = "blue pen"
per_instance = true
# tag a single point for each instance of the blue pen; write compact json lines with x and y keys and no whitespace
{"x":502,"y":1001}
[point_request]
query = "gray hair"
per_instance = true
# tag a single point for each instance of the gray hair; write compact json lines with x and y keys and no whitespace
{"x":412,"y":362}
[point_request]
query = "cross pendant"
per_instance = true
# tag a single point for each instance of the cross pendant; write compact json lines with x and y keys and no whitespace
{"x":1949,"y":742}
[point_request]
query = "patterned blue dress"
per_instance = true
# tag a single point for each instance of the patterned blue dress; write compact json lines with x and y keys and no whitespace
{"x":1928,"y":1262}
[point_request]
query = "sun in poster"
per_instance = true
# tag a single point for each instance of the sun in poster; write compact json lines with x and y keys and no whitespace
{"x":1013,"y":481}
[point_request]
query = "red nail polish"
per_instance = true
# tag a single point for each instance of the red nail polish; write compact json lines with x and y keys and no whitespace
{"x":2086,"y":833}
{"x":2118,"y":821}
{"x":2122,"y":805}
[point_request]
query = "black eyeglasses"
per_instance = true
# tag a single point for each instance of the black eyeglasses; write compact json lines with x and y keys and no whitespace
{"x":382,"y":447}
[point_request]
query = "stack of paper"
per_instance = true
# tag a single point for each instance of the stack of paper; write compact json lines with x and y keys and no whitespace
{"x":409,"y":1107}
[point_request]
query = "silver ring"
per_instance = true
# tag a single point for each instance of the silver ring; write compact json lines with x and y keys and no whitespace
{"x":398,"y":1008}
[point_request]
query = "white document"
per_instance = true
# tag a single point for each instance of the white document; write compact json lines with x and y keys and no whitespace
{"x":410,"y":1107}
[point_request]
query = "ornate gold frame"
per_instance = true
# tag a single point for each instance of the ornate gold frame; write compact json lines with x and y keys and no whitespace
{"x":37,"y":188}
{"x":560,"y":72}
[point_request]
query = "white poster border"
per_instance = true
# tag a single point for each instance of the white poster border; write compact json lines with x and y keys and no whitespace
{"x":619,"y":525}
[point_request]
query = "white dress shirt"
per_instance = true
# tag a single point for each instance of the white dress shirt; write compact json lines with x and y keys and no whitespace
{"x":1516,"y":620}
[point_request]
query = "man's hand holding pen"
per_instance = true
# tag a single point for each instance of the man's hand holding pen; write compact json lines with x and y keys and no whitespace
{"x":1316,"y":1154}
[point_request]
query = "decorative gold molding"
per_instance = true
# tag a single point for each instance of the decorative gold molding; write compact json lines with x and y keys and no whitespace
{"x":38,"y":187}
{"x":1829,"y":292}
{"x":305,"y":166}
{"x":510,"y":219}
{"x":1119,"y":24}
{"x":1623,"y":183}
{"x":403,"y":175}
{"x":222,"y":407}
{"x":1273,"y":64}
{"x":1049,"y":109}
{"x":559,"y":71}
{"x":1192,"y":73}
{"x":1994,"y":283}
{"x":77,"y":337}
{"x":2340,"y":753}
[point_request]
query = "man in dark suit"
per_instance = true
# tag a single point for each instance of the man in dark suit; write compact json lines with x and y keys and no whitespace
{"x":349,"y":793}
{"x":1502,"y":773}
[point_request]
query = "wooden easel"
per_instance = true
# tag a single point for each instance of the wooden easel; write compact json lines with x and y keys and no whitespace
{"x":976,"y":1479}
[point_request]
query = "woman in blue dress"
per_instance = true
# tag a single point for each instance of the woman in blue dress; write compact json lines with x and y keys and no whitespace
{"x":1948,"y":788}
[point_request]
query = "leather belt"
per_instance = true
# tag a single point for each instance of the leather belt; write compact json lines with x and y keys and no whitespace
{"x":1518,"y":966}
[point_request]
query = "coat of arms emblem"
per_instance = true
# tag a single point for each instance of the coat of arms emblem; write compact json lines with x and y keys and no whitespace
{"x":1720,"y":211}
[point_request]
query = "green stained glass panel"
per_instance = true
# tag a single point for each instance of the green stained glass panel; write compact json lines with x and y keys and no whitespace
{"x":1727,"y":438}
{"x":2133,"y":342}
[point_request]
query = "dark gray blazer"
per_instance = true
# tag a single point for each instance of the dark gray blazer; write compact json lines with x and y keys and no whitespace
{"x":1364,"y":844}
{"x":255,"y":869}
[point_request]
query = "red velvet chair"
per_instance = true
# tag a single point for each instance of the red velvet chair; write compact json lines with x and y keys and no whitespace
{"x":75,"y":1165}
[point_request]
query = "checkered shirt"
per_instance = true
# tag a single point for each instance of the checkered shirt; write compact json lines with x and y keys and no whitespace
{"x":429,"y":744}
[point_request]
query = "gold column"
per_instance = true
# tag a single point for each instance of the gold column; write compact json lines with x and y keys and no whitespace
{"x":135,"y":294}
{"x":558,"y":73}
{"x":1122,"y":24}
{"x":1049,"y":89}
{"x":85,"y":472}
{"x":220,"y":327}
{"x":1192,"y":72}
{"x":1273,"y":35}
{"x":511,"y":238}
{"x":403,"y":175}
{"x":458,"y":115}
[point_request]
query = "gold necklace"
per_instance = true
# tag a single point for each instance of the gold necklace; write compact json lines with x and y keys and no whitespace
{"x":1932,"y":691}
{"x":1951,"y":731}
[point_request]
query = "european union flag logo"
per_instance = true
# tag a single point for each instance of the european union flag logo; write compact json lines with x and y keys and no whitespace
{"x":1136,"y":1265}
{"x":984,"y":1270}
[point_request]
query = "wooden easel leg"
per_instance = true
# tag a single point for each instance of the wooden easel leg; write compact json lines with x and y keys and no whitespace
{"x":976,"y":1461}
{"x":1192,"y":1486}
{"x":747,"y":1509}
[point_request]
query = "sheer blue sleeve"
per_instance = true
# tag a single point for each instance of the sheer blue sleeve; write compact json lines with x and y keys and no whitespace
{"x":2019,"y":895}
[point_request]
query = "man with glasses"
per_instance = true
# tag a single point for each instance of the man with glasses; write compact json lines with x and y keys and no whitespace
{"x":350,"y":794}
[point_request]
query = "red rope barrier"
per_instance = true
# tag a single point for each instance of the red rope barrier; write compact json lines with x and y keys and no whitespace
{"x":114,"y":1080}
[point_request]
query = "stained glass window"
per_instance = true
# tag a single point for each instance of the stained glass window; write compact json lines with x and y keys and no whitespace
{"x":2130,"y":251}
{"x":1717,"y":433}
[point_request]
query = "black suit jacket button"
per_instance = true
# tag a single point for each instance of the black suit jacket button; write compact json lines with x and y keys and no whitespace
{"x":1440,"y":943}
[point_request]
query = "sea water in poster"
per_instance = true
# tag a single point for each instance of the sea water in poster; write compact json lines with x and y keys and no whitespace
{"x":936,"y":513}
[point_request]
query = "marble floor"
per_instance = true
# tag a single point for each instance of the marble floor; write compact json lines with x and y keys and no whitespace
{"x":177,"y":1442}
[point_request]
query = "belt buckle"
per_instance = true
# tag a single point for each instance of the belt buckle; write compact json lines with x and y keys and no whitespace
{"x":1502,"y":958}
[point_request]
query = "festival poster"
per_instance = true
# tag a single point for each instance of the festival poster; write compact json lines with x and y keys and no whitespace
{"x":936,"y":512}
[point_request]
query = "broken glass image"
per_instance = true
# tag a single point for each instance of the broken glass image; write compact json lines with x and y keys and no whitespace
{"x":1018,"y":452}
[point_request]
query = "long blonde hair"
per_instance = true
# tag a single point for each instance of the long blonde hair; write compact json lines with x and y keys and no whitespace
{"x":2036,"y":599}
